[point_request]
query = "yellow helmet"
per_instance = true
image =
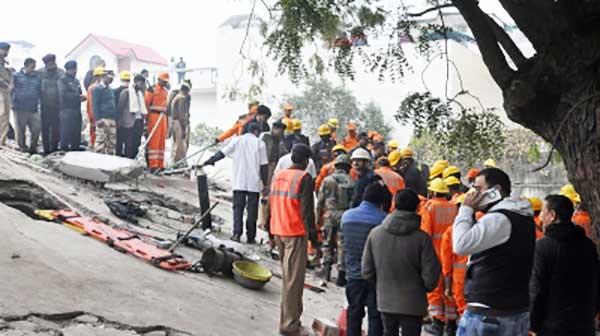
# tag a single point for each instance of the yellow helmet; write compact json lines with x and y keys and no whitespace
{"x":407,"y":153}
{"x":99,"y":71}
{"x":460,"y":199}
{"x":536,"y":203}
{"x":490,"y":163}
{"x":439,"y":186}
{"x":451,"y":180}
{"x":394,"y":157}
{"x":567,"y":189}
{"x":393,"y":144}
{"x":442,"y":163}
{"x":339,"y":147}
{"x":436,"y":170}
{"x":333,"y":122}
{"x":289,"y":124}
{"x":125,"y":75}
{"x":297,"y":124}
{"x":451,"y":170}
{"x":323,"y":130}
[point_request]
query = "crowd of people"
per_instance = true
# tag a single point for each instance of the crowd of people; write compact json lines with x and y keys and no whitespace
{"x":48,"y":100}
{"x":411,"y":244}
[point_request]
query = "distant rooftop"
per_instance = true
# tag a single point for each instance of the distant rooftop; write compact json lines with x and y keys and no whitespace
{"x":123,"y":49}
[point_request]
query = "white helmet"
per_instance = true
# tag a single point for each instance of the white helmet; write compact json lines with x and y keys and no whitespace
{"x":361,"y":154}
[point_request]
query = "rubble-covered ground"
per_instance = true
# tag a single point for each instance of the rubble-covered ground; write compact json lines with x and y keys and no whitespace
{"x":57,"y":282}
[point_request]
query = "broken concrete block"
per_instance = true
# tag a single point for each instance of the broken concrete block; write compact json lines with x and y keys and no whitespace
{"x":43,"y":324}
{"x":89,"y":319}
{"x":325,"y":327}
{"x":99,"y":167}
{"x":23,"y":326}
{"x":88,"y":330}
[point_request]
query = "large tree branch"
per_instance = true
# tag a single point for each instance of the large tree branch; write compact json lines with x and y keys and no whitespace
{"x":492,"y":55}
{"x":507,"y":43}
{"x":533,"y":17}
{"x":431,"y":9}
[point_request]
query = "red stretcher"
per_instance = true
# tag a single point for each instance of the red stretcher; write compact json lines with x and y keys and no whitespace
{"x":120,"y":240}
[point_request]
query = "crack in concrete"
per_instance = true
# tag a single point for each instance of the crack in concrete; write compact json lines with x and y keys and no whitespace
{"x":61,"y":321}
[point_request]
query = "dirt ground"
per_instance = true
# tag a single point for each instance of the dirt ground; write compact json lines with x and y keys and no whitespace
{"x":47,"y":269}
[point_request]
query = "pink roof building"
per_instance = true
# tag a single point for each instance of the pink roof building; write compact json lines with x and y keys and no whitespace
{"x":119,"y":55}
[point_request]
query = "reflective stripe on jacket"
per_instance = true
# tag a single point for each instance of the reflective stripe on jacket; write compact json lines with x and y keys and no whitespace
{"x":284,"y":199}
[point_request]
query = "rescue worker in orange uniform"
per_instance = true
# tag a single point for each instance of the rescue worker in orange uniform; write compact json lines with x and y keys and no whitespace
{"x":471,"y":175}
{"x":98,"y":72}
{"x":333,"y":124}
{"x":454,"y":186}
{"x":536,"y":205}
{"x":238,"y":127}
{"x":455,"y":172}
{"x":292,"y":225}
{"x":436,"y":217}
{"x":580,"y":216}
{"x":454,"y":269}
{"x":351,"y":140}
{"x":393,"y":181}
{"x":329,"y":167}
{"x":156,"y":103}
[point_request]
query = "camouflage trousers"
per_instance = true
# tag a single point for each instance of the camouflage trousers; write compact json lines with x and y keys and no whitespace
{"x":106,"y":137}
{"x":333,"y":243}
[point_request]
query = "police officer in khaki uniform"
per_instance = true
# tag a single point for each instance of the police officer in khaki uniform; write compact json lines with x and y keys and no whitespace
{"x":334,"y":198}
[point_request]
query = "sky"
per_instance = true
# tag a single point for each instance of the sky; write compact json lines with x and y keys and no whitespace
{"x":173,"y":28}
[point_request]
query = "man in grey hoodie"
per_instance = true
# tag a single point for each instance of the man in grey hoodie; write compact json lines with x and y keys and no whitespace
{"x":401,"y":260}
{"x":501,"y":245}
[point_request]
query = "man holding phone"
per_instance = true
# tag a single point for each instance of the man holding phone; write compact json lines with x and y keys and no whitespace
{"x":501,"y":245}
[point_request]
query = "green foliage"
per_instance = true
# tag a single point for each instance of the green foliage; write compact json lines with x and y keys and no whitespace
{"x":203,"y":134}
{"x":321,"y":100}
{"x":463,"y":137}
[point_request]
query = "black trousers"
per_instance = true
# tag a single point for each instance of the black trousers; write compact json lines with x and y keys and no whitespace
{"x":411,"y":325}
{"x":245,"y":200}
{"x":130,"y":139}
{"x":70,"y":129}
{"x":50,"y":129}
{"x":360,"y":295}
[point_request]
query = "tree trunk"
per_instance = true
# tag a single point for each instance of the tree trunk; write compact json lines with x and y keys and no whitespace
{"x":569,"y":121}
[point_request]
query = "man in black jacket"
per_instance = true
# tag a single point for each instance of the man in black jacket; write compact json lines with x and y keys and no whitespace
{"x":70,"y":99}
{"x":563,"y":289}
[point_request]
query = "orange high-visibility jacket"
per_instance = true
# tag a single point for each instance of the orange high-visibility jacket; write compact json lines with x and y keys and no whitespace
{"x":436,"y":216}
{"x":539,"y":233}
{"x":350,"y":142}
{"x":454,"y":266}
{"x":238,"y":126}
{"x":392,"y":180}
{"x":582,"y":218}
{"x":90,"y":114}
{"x":284,"y":199}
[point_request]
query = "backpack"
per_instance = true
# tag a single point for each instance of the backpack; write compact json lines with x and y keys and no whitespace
{"x":345,"y":190}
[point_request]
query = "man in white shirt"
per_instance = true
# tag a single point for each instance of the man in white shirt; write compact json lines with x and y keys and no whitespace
{"x":249,"y":155}
{"x":285,"y":162}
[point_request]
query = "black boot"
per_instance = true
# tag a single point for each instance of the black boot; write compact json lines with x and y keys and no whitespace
{"x":450,"y":328}
{"x":436,"y":328}
{"x":341,"y":279}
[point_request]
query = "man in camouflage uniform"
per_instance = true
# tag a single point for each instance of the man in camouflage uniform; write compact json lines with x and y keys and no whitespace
{"x":6,"y":85}
{"x":334,"y":198}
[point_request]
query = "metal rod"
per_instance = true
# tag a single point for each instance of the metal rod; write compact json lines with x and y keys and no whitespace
{"x":184,"y":237}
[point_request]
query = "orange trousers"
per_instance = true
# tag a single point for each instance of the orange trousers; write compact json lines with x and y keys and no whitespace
{"x":440,"y":307}
{"x":156,"y":145}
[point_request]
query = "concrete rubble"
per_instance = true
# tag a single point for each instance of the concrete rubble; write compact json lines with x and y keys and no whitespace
{"x":99,"y":167}
{"x":57,"y":270}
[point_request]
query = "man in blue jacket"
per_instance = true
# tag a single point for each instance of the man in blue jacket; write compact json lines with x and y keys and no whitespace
{"x":356,"y":225}
{"x":25,"y":98}
{"x":70,"y":98}
{"x":105,"y":113}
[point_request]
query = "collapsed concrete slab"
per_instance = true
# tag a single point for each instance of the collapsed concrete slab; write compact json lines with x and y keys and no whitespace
{"x":99,"y":167}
